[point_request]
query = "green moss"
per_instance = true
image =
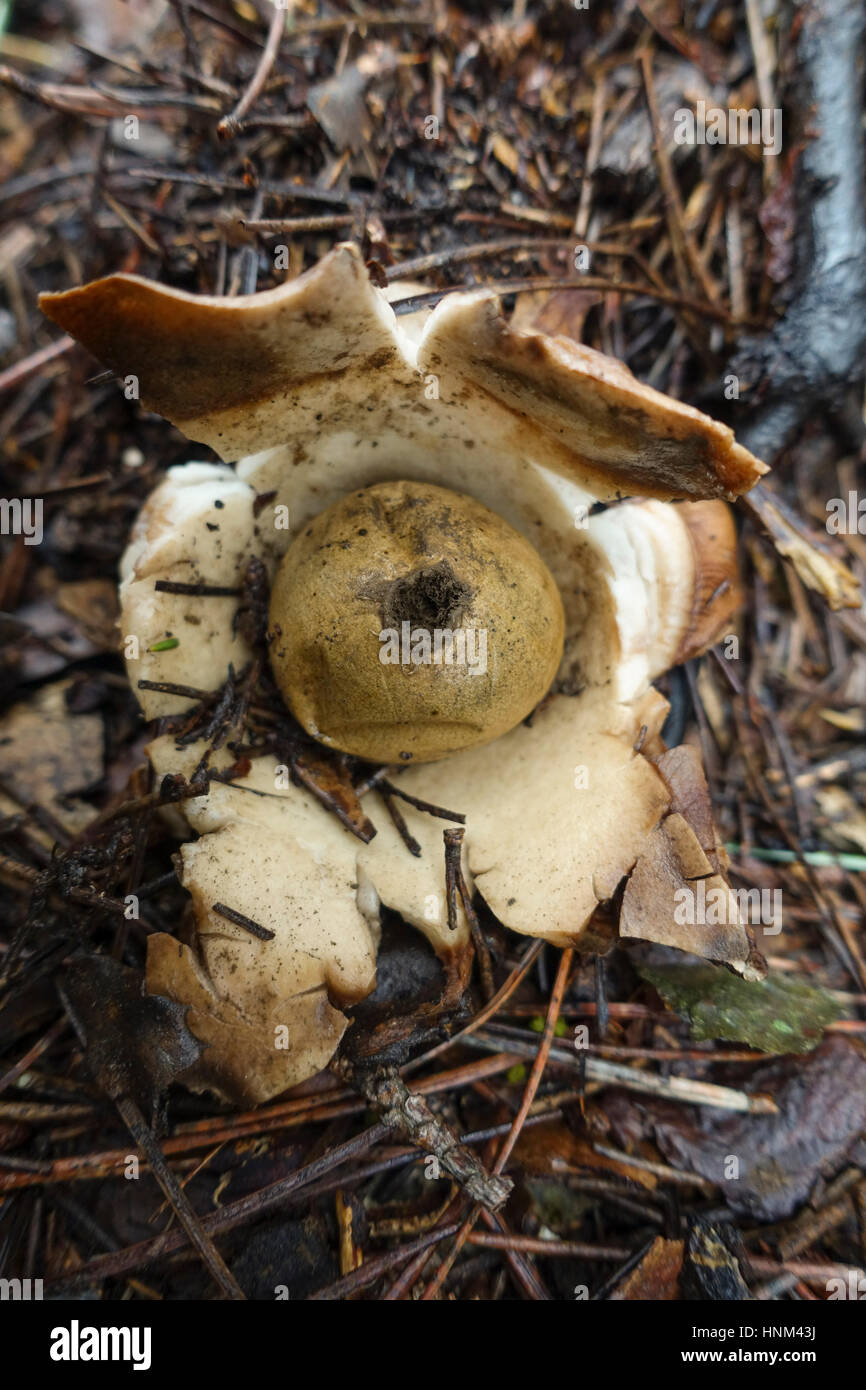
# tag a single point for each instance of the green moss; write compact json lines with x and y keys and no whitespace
{"x":773,"y":1015}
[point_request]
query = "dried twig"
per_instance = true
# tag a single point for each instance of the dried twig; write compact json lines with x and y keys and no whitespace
{"x":409,"y":1114}
{"x":231,"y":124}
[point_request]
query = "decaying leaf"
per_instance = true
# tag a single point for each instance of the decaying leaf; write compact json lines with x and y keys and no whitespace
{"x":558,"y":312}
{"x":45,"y":640}
{"x":552,"y":1149}
{"x":135,"y":1044}
{"x":778,"y":1014}
{"x":47,"y":753}
{"x":92,"y":603}
{"x":766,"y":1165}
{"x":339,"y":105}
{"x":814,"y":562}
{"x":656,"y":1278}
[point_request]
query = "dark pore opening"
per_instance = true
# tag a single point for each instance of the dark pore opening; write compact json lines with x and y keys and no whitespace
{"x":431,"y":598}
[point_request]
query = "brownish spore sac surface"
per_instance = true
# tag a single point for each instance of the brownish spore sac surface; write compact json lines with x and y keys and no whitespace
{"x":401,"y":570}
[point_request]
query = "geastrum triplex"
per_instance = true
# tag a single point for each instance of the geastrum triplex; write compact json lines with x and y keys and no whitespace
{"x":422,"y":495}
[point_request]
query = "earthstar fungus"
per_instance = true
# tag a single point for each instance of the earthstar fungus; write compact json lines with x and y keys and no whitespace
{"x":338,"y":418}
